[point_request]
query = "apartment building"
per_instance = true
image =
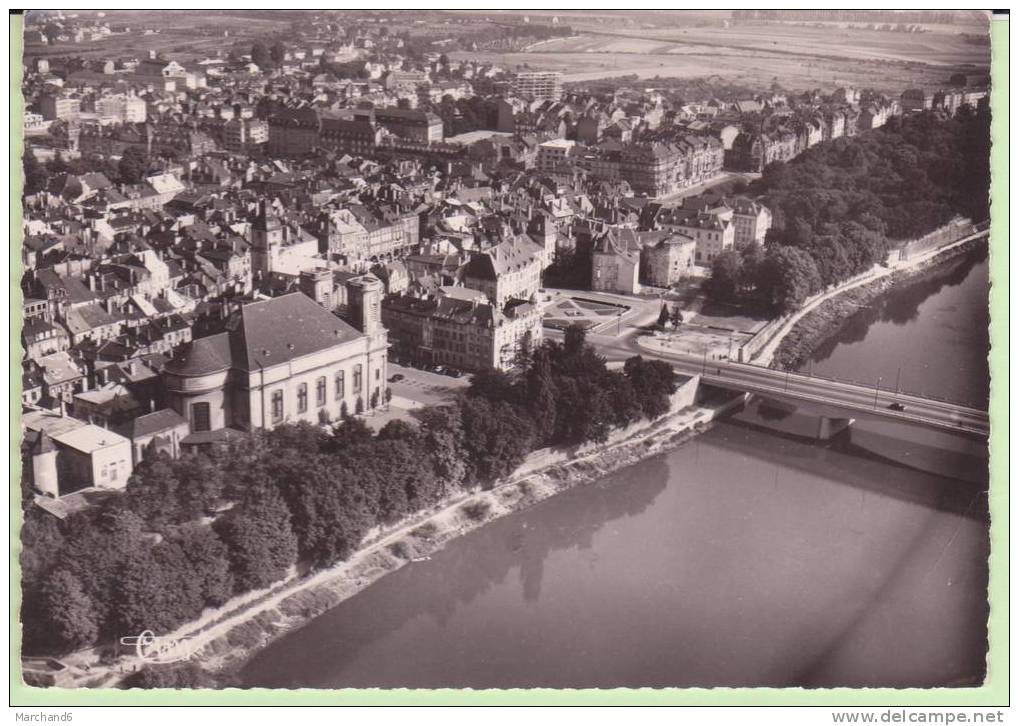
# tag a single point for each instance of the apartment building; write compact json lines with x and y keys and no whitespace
{"x":61,"y":107}
{"x":121,"y":108}
{"x":510,"y":269}
{"x":539,"y":85}
{"x":468,"y":334}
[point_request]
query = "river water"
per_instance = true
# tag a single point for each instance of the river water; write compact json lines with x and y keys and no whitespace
{"x":750,"y":556}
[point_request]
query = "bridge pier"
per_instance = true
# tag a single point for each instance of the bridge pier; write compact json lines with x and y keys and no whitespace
{"x":829,"y":427}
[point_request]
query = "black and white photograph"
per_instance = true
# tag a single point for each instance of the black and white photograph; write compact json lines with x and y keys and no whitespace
{"x":504,"y":349}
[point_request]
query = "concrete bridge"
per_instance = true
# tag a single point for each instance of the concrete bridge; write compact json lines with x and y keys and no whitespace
{"x":849,"y":397}
{"x":846,"y":396}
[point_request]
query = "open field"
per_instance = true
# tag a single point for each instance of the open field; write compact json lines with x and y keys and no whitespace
{"x":796,"y":57}
{"x":177,"y":37}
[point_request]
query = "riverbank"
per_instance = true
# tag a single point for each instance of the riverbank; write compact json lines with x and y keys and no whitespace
{"x":226,"y":641}
{"x":825,"y":321}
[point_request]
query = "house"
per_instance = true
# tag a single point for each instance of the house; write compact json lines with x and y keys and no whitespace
{"x":65,"y":455}
{"x":615,"y":262}
{"x":510,"y":269}
{"x":163,"y":430}
{"x":709,"y":224}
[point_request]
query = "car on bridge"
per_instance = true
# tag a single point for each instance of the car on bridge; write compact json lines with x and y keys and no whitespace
{"x":896,"y":406}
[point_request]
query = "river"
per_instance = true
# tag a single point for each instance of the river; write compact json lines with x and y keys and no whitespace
{"x":931,"y":336}
{"x":749,"y":556}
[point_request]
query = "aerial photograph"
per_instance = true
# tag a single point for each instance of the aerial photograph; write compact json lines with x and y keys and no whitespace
{"x":504,"y":349}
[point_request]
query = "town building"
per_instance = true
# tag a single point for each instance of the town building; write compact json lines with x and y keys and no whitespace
{"x":55,"y":106}
{"x":510,"y":269}
{"x":281,"y":360}
{"x":121,"y":108}
{"x":553,"y":153}
{"x":65,"y":455}
{"x":243,"y":135}
{"x":615,"y":262}
{"x":666,"y":262}
{"x":467,"y":334}
{"x":540,"y":85}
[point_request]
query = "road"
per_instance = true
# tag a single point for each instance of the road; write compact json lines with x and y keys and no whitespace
{"x":849,"y":396}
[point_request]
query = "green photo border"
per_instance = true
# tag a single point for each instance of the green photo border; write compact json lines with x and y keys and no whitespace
{"x":993,"y":693}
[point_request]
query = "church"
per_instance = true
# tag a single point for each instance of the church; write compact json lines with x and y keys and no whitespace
{"x":282,"y":360}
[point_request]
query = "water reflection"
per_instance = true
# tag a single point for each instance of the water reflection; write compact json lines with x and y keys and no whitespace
{"x":946,"y":480}
{"x":739,"y":559}
{"x":946,"y":310}
{"x":467,"y":569}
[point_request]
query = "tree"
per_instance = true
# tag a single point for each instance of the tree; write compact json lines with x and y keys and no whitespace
{"x":97,"y":545}
{"x":154,"y":592}
{"x":200,"y":488}
{"x":442,"y":438}
{"x":52,"y":31}
{"x":63,"y":613}
{"x":133,"y":165}
{"x":260,"y":539}
{"x":787,"y":276}
{"x":398,"y":430}
{"x":36,"y":175}
{"x":153,"y":490}
{"x":497,"y":437}
{"x":349,"y":434}
{"x":585,"y":409}
{"x":522,"y":356}
{"x":653,"y":382}
{"x":574,"y":340}
{"x":332,"y":507}
{"x":42,"y":541}
{"x":182,"y":675}
{"x":260,"y":55}
{"x":663,"y":315}
{"x":277,"y":53}
{"x":208,"y":563}
{"x":726,"y":276}
{"x":542,"y":396}
{"x":493,"y":384}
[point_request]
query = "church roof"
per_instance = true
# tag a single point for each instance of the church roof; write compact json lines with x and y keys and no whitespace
{"x":274,"y":331}
{"x":265,"y":333}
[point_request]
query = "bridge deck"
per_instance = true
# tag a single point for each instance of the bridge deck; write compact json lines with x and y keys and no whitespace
{"x":848,"y":396}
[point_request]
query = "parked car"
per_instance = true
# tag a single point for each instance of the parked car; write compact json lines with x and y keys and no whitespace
{"x":455,"y":373}
{"x":396,"y":377}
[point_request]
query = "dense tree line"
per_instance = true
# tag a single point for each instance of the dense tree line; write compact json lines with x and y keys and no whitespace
{"x":839,"y":208}
{"x":192,"y":532}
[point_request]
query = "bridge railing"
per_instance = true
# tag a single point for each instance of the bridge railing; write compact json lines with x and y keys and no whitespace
{"x":835,"y":379}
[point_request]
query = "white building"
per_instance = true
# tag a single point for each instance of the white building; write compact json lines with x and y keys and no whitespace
{"x":121,"y":107}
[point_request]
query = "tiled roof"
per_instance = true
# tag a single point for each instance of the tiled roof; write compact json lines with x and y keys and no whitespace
{"x":274,"y":331}
{"x":202,"y":356}
{"x":153,"y":423}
